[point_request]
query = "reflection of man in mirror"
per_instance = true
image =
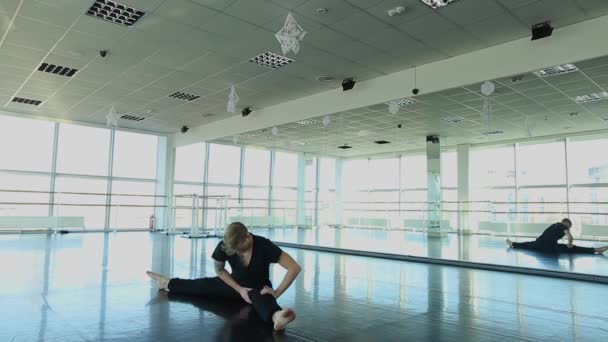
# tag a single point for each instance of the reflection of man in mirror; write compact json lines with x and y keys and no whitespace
{"x":547,"y":242}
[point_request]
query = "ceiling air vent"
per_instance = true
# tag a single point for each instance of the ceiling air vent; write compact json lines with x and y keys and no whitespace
{"x":183,"y":96}
{"x":115,"y":13}
{"x":591,"y":97}
{"x":382,"y":142}
{"x":57,"y":70}
{"x":437,"y":3}
{"x":453,"y":119}
{"x":495,"y":132}
{"x":345,"y":147}
{"x":26,"y":101}
{"x":556,"y":70}
{"x":308,"y":122}
{"x":132,"y":117}
{"x":271,"y":60}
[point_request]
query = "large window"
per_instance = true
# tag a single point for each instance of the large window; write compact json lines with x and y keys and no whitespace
{"x":541,"y":164}
{"x":355,"y":175}
{"x":492,"y":167}
{"x":83,"y":150}
{"x":257,"y":164}
{"x":130,"y":211}
{"x":384,"y":173}
{"x":449,"y":170}
{"x":413,"y":172}
{"x":285,"y":170}
{"x":89,"y":202}
{"x":588,"y":161}
{"x":26,"y":144}
{"x":135,"y":155}
{"x":190,"y":163}
{"x":21,"y":185}
{"x":224,"y":164}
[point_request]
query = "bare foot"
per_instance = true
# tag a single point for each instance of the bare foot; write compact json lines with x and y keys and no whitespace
{"x":510,"y":243}
{"x":282,"y":318}
{"x":601,"y":250}
{"x":161,"y":282}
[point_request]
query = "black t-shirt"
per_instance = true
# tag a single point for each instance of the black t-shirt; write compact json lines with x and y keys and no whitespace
{"x":257,"y":272}
{"x":553,"y":234}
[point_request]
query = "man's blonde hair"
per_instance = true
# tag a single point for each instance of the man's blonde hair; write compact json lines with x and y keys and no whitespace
{"x":236,"y":233}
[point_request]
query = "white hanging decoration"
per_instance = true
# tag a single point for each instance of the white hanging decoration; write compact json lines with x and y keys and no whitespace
{"x":235,"y":139}
{"x":488,"y":88}
{"x":393,"y":107}
{"x":275,"y":130}
{"x":529,"y":127}
{"x":326,"y":120}
{"x":290,"y":35}
{"x":233,"y":101}
{"x":112,"y":117}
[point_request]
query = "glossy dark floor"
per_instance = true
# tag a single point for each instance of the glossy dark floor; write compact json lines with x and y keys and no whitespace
{"x":471,"y":248}
{"x":92,"y":287}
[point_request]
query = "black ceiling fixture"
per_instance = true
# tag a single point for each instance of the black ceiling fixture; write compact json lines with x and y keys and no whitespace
{"x":345,"y":147}
{"x":542,"y":30}
{"x":348,"y":84}
{"x":382,"y":142}
{"x":246,"y":111}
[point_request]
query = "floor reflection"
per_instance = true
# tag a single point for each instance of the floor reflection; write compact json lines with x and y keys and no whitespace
{"x":92,"y":287}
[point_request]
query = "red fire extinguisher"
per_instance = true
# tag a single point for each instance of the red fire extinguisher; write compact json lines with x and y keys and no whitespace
{"x":152,"y":223}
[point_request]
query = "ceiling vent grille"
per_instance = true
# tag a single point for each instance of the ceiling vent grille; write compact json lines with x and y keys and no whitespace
{"x":382,"y":142}
{"x":308,"y":122}
{"x":591,"y":97}
{"x":453,"y":119}
{"x":495,"y":132}
{"x":184,"y":96}
{"x":271,"y":60}
{"x":57,"y":70}
{"x":437,"y":3}
{"x":556,"y":70}
{"x":27,"y":101}
{"x":115,"y":13}
{"x":132,"y":117}
{"x":344,"y":147}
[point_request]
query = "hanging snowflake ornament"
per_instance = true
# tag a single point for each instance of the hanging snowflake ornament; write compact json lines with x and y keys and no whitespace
{"x":326,"y":120}
{"x":290,"y":35}
{"x":112,"y":117}
{"x":393,"y":107}
{"x":275,"y":130}
{"x":488,"y":88}
{"x":233,"y":101}
{"x":235,"y":139}
{"x":486,"y":112}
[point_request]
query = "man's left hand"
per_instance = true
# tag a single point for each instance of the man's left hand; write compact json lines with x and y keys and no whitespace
{"x":269,"y":290}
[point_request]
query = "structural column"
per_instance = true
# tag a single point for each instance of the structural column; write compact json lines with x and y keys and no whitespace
{"x":433,"y":167}
{"x":164,"y":184}
{"x":301,"y":205}
{"x":464,"y":223}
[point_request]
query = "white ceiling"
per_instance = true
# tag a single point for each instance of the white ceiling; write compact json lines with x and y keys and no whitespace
{"x":527,"y":108}
{"x":202,"y":47}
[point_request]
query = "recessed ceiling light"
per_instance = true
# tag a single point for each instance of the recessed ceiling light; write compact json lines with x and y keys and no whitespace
{"x":183,"y":96}
{"x":26,"y":101}
{"x":437,"y":3}
{"x":494,"y":132}
{"x":271,"y":60}
{"x":556,"y":70}
{"x":322,"y":10}
{"x":591,"y":97}
{"x":57,"y":70}
{"x":132,"y":117}
{"x":115,"y":12}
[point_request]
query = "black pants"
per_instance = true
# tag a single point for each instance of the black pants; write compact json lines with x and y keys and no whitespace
{"x":552,"y":248}
{"x":265,"y":305}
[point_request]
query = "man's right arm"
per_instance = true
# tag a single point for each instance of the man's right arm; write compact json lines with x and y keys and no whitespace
{"x":221,"y":272}
{"x":569,"y":236}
